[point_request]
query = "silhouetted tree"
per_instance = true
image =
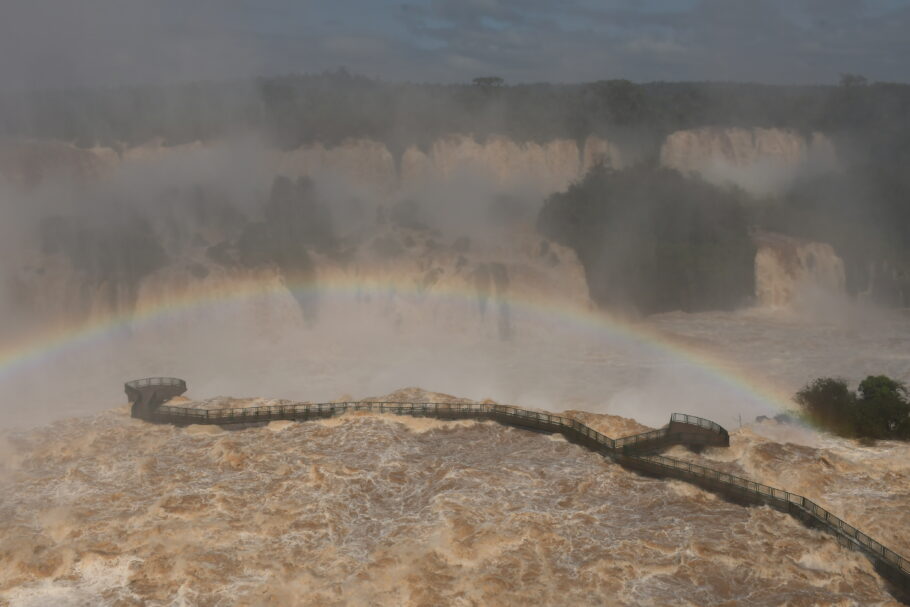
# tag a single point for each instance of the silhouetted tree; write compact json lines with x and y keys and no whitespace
{"x":829,"y":403}
{"x":488,"y":81}
{"x":878,"y":410}
{"x":853,"y":80}
{"x":882,"y":408}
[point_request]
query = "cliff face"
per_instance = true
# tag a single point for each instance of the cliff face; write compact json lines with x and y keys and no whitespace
{"x":458,"y":184}
{"x":498,"y":162}
{"x":888,"y":284}
{"x":761,"y":161}
{"x":202,"y":230}
{"x":417,"y":266}
{"x":787,"y":268}
{"x":26,"y":164}
{"x":363,"y":162}
{"x":599,"y":151}
{"x":408,"y":276}
{"x":501,"y":162}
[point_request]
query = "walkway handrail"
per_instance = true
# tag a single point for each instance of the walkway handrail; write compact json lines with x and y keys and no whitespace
{"x":822,"y":515}
{"x":156,"y":381}
{"x":654,"y":438}
{"x":630,"y":451}
{"x":684,"y":418}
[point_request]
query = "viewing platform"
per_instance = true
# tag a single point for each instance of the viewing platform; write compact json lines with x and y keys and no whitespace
{"x":147,"y":395}
{"x":638,"y":452}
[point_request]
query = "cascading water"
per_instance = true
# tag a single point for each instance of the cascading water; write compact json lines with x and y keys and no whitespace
{"x":787,"y":269}
{"x":427,"y":284}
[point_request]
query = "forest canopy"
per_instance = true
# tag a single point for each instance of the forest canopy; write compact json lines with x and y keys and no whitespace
{"x":334,"y":106}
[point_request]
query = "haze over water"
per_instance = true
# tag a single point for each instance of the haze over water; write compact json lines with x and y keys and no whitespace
{"x":492,"y":201}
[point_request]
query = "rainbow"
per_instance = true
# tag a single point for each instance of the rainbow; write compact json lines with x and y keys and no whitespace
{"x":43,"y":347}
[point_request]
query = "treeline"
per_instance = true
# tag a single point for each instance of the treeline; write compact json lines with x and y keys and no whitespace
{"x":878,"y":409}
{"x":648,"y":237}
{"x":334,"y":106}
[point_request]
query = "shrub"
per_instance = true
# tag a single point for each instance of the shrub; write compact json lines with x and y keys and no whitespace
{"x":829,"y":403}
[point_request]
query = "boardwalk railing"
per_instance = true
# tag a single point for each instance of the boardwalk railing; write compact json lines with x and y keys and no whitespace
{"x":779,"y":498}
{"x":701,"y":431}
{"x":636,"y":452}
{"x":156,"y":381}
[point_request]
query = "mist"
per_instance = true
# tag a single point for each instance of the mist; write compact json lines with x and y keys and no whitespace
{"x":432,"y":256}
{"x":613,"y":211}
{"x":446,"y":223}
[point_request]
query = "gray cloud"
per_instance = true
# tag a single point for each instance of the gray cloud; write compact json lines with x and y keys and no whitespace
{"x":57,"y":42}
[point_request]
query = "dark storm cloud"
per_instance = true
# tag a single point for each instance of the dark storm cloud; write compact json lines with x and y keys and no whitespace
{"x":48,"y":42}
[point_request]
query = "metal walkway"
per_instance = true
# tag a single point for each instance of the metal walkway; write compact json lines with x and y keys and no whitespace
{"x":636,"y":452}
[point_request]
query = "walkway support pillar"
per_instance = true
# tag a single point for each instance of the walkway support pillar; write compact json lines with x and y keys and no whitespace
{"x":146,"y":395}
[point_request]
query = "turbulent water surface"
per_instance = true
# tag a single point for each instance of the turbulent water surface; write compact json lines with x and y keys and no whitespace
{"x":386,"y":510}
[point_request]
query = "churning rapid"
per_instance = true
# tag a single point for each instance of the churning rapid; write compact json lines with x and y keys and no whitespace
{"x":341,"y":271}
{"x":391,"y":510}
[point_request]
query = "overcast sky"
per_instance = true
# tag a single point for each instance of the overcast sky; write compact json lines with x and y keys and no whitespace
{"x":90,"y":42}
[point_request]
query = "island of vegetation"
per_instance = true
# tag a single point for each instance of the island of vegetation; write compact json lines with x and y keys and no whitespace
{"x":878,"y":409}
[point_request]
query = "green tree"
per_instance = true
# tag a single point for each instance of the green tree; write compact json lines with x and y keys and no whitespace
{"x":878,"y":410}
{"x":829,"y":403}
{"x":882,"y":410}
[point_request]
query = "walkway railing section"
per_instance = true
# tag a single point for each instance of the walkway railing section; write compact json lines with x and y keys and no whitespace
{"x":302,"y":411}
{"x":697,"y":421}
{"x":683,"y":469}
{"x":156,"y":381}
{"x":631,"y":451}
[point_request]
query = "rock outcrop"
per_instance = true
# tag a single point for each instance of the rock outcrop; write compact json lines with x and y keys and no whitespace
{"x":497,"y":162}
